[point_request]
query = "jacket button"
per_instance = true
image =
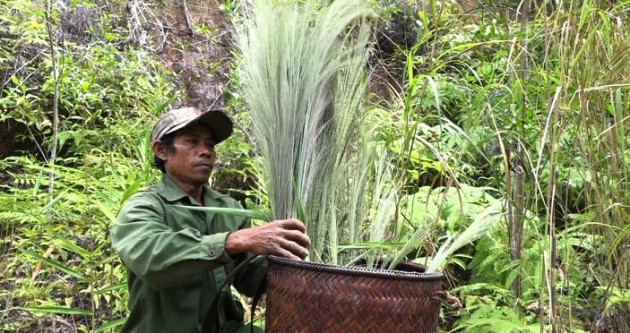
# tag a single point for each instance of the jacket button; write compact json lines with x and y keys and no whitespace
{"x":212,"y":252}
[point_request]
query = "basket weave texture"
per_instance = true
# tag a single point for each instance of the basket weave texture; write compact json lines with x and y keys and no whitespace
{"x":305,"y":297}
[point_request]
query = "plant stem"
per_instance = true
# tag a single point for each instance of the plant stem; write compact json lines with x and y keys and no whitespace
{"x":55,"y":128}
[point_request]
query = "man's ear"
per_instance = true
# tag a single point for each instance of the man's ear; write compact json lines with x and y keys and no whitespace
{"x":159,"y":149}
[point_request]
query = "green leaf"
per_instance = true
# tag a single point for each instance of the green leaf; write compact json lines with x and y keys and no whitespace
{"x":370,"y":245}
{"x":56,"y":309}
{"x":109,"y":259}
{"x":111,"y":324}
{"x":118,"y":286}
{"x":106,"y":211}
{"x":72,"y":247}
{"x":56,"y":265}
{"x":162,"y":106}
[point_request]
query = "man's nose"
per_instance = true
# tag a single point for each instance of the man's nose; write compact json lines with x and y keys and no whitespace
{"x":206,"y":150}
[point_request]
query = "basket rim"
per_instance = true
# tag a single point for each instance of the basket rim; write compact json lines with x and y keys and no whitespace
{"x":360,"y":270}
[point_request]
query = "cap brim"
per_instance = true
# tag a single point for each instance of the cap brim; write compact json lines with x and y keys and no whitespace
{"x":221,"y":125}
{"x":217,"y":120}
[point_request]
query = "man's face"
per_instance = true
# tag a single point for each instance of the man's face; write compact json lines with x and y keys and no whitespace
{"x":193,"y":157}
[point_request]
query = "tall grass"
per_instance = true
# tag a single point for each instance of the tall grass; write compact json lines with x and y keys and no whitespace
{"x":570,"y":75}
{"x":550,"y":92}
{"x":594,"y":54}
{"x":67,"y":252}
{"x":302,"y":72}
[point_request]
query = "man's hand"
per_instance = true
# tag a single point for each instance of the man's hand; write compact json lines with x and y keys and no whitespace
{"x":284,"y":238}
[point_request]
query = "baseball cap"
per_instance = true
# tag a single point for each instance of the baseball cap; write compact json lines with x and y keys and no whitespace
{"x":176,"y":119}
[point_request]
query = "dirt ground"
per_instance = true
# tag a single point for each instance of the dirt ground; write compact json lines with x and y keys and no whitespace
{"x":192,"y":40}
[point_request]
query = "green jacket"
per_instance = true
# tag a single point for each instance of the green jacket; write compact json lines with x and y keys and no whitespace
{"x":176,"y":261}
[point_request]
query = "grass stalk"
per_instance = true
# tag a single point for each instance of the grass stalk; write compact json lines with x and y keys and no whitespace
{"x":302,"y":76}
{"x":52,"y":41}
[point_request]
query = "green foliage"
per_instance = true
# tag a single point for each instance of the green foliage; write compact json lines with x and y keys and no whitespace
{"x":471,"y":110}
{"x":432,"y":214}
{"x":230,"y":7}
{"x":58,"y":267}
{"x":99,"y":83}
{"x":72,"y":238}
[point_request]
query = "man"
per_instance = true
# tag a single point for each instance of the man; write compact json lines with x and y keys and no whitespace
{"x":179,"y":259}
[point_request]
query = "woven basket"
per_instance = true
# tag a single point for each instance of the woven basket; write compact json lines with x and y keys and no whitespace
{"x":305,"y":297}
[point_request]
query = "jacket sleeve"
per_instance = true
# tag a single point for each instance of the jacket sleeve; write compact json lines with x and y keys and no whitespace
{"x":157,"y":254}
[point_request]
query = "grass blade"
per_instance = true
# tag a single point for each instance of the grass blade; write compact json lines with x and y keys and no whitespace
{"x":111,"y":324}
{"x":56,"y":310}
{"x":229,"y":211}
{"x":56,"y":265}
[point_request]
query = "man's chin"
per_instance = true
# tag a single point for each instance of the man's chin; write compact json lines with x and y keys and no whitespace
{"x":203,"y":179}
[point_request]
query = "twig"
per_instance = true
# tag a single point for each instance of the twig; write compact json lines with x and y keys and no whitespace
{"x":138,"y":11}
{"x":136,"y":30}
{"x":162,"y":27}
{"x":19,"y":69}
{"x":39,"y":147}
{"x":188,"y":18}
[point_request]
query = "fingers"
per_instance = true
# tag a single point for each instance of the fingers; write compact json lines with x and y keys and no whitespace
{"x":287,"y":254}
{"x":298,"y":237}
{"x":294,"y":239}
{"x":283,"y":238}
{"x":295,"y":249}
{"x":293,"y":224}
{"x":291,"y":250}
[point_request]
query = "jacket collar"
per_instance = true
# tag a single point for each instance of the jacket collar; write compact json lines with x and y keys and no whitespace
{"x":168,"y":190}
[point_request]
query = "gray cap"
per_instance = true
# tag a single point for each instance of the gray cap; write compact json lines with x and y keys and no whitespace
{"x":219,"y":123}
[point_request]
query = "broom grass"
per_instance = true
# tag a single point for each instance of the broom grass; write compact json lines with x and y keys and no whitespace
{"x":303,"y":78}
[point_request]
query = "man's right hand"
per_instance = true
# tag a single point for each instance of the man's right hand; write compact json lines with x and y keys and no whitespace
{"x":284,"y":238}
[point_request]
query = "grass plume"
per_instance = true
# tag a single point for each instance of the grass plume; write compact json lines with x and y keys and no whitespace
{"x":302,"y":71}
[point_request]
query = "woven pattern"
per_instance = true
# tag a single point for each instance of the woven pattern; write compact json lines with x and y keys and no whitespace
{"x":314,"y":298}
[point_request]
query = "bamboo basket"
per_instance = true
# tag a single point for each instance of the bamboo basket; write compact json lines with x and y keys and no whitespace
{"x":306,"y":297}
